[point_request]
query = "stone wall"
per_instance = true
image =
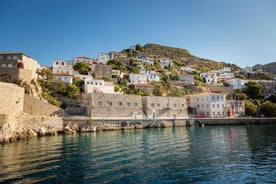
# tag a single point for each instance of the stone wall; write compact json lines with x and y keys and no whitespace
{"x":35,"y":106}
{"x":100,"y":105}
{"x":164,"y":107}
{"x":25,"y":75}
{"x":11,"y":98}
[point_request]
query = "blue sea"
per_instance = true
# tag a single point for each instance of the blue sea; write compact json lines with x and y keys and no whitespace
{"x":210,"y":154}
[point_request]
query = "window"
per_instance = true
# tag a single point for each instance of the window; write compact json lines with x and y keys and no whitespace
{"x":62,"y":63}
{"x":120,"y":103}
{"x":8,"y":57}
{"x":128,"y":104}
{"x":197,"y":106}
{"x":14,"y":57}
{"x":207,"y":105}
{"x":222,"y":105}
{"x":213,"y":105}
{"x":100,"y":103}
{"x":135,"y":104}
{"x":110,"y":103}
{"x":202,"y":105}
{"x":1,"y":57}
{"x":56,"y":63}
{"x":175,"y":105}
{"x":3,"y":66}
{"x":218,"y":105}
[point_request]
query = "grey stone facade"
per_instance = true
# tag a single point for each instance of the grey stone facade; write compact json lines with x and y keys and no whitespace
{"x":103,"y":105}
{"x":164,"y":107}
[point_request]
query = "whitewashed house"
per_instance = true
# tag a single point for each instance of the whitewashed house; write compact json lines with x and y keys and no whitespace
{"x":211,"y":105}
{"x":137,"y":78}
{"x":186,"y":69}
{"x":103,"y":58}
{"x":165,"y":62}
{"x":63,"y":77}
{"x":61,"y":66}
{"x":209,"y":77}
{"x":227,"y":76}
{"x":236,"y":83}
{"x":151,"y":75}
{"x":98,"y":86}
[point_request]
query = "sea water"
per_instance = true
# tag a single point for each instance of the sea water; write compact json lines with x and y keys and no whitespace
{"x":210,"y":154}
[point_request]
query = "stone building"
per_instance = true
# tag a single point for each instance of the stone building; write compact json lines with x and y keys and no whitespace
{"x":209,"y":105}
{"x":15,"y":65}
{"x":164,"y":107}
{"x":187,"y":78}
{"x":100,"y":71}
{"x":101,"y":105}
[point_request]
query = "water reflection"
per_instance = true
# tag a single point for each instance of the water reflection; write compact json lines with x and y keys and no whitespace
{"x":230,"y":154}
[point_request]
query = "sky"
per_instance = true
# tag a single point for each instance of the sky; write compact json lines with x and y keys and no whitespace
{"x":242,"y":32}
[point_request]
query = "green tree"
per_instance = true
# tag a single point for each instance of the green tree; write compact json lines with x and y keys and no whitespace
{"x":72,"y":91}
{"x":157,"y":64}
{"x":82,"y":68}
{"x":140,"y":48}
{"x":45,"y":74}
{"x":79,"y":83}
{"x":238,"y":75}
{"x":268,"y":108}
{"x":254,"y":90}
{"x":117,"y":65}
{"x":250,"y":108}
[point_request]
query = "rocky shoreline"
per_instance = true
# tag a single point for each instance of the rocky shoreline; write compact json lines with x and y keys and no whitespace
{"x":28,"y":126}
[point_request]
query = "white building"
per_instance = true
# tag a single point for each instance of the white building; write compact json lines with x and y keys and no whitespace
{"x":209,"y":105}
{"x":236,"y":83}
{"x":225,"y":69}
{"x":186,"y":69}
{"x":84,"y":77}
{"x":63,"y":77}
{"x":61,"y":66}
{"x":137,"y":78}
{"x":165,"y":62}
{"x":209,"y":77}
{"x":145,"y":60}
{"x":151,"y":75}
{"x":98,"y":86}
{"x":247,"y":70}
{"x":103,"y":58}
{"x":227,"y":75}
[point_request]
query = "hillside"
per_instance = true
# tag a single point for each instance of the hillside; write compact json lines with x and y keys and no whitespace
{"x":182,"y":57}
{"x":270,"y":67}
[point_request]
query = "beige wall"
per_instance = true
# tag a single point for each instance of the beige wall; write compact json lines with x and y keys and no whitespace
{"x":35,"y":106}
{"x":100,"y":105}
{"x":165,"y":107}
{"x":11,"y":98}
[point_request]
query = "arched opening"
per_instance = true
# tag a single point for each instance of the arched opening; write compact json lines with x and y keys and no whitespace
{"x":5,"y":78}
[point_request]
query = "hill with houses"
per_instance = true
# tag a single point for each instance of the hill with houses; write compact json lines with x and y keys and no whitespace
{"x":149,"y":70}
